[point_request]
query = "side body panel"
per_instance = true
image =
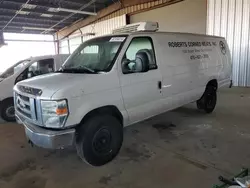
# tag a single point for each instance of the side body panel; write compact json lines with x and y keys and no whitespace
{"x":187,"y":63}
{"x":225,"y":73}
{"x":6,"y":88}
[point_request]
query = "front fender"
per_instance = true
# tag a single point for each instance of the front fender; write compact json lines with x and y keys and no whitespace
{"x":82,"y":105}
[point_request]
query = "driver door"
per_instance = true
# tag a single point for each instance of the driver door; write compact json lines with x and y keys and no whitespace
{"x":41,"y":67}
{"x":37,"y":68}
{"x":141,"y":91}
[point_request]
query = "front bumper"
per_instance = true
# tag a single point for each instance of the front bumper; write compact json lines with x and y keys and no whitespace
{"x":47,"y":138}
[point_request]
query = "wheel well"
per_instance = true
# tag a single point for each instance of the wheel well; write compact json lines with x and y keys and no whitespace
{"x":213,"y":83}
{"x":10,"y":99}
{"x":111,"y":110}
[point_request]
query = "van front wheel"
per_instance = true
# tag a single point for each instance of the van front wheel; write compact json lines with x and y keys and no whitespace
{"x":8,"y":110}
{"x":208,"y":100}
{"x":99,"y":140}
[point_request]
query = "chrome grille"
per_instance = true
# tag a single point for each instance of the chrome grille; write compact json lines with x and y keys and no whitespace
{"x":24,"y":106}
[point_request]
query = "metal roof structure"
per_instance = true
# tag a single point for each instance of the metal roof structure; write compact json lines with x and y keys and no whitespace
{"x":45,"y":16}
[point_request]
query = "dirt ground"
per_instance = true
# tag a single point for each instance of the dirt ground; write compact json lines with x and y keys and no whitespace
{"x":181,"y":148}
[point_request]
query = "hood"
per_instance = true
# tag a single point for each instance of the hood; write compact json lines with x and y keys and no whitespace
{"x":49,"y":81}
{"x":53,"y":82}
{"x":69,"y":84}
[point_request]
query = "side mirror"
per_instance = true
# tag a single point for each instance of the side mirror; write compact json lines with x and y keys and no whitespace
{"x":33,"y":74}
{"x":21,"y":77}
{"x":141,"y":62}
{"x":125,"y":66}
{"x":30,"y":74}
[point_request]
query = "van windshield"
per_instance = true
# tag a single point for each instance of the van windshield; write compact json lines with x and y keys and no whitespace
{"x":13,"y":69}
{"x":94,"y":56}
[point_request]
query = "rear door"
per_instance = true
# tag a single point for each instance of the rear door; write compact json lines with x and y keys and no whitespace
{"x":141,"y":90}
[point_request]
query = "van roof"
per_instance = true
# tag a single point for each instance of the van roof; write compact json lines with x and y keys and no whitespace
{"x":176,"y":33}
{"x":37,"y":58}
{"x":160,"y":32}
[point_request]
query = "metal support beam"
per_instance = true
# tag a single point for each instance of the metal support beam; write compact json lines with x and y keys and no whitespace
{"x":23,"y":40}
{"x":76,"y":11}
{"x":102,"y":13}
{"x":26,"y":24}
{"x":58,"y":15}
{"x":81,"y":35}
{"x":14,"y":16}
{"x":83,"y":7}
{"x":47,"y":4}
{"x":56,"y":45}
{"x":68,"y":46}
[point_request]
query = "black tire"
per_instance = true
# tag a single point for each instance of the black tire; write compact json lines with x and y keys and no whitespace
{"x":99,"y":140}
{"x":199,"y":104}
{"x":209,"y":100}
{"x":8,"y":110}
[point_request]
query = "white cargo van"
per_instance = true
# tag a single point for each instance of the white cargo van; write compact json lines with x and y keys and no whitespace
{"x":117,"y":80}
{"x":22,"y":70}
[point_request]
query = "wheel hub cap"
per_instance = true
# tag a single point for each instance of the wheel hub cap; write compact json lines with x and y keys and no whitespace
{"x":102,"y":141}
{"x":10,"y":111}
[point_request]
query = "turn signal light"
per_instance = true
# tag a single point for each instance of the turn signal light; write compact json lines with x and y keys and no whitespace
{"x":61,"y":111}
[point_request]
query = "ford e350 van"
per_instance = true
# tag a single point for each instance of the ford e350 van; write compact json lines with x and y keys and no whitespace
{"x":22,"y":70}
{"x":117,"y":80}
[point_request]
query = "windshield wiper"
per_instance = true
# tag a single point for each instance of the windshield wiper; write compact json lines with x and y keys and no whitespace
{"x":87,"y":69}
{"x":81,"y":69}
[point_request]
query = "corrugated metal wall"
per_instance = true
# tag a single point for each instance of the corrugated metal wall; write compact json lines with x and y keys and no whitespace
{"x":100,"y":28}
{"x":231,"y":19}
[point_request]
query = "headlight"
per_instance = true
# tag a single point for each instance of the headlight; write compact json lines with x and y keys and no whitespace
{"x":54,"y":113}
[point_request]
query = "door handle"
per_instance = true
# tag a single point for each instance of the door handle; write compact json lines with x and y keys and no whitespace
{"x":166,"y":86}
{"x":159,"y":85}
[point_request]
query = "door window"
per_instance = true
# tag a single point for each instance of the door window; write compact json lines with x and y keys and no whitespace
{"x":41,"y":67}
{"x":14,"y":69}
{"x":139,"y":44}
